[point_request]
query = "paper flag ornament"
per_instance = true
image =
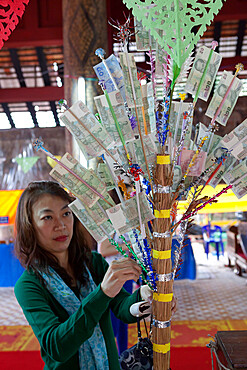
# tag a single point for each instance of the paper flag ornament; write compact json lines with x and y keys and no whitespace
{"x":51,"y":161}
{"x":173,"y":23}
{"x":10,"y":13}
{"x":26,"y":163}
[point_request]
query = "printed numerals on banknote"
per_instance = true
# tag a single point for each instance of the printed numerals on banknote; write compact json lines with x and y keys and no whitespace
{"x":228,"y":163}
{"x":85,"y":140}
{"x":219,"y":95}
{"x":197,"y":70}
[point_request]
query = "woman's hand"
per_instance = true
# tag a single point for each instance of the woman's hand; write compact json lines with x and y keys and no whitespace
{"x":117,"y":274}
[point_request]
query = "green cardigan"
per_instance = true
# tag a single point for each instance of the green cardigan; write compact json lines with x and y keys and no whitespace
{"x":59,"y":334}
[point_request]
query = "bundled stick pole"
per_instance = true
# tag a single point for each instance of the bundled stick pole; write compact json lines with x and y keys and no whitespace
{"x":162,"y":299}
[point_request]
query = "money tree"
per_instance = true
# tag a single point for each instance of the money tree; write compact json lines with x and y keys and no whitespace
{"x":143,"y":139}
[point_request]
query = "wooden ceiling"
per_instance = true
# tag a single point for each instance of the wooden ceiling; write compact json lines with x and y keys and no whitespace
{"x":29,"y":77}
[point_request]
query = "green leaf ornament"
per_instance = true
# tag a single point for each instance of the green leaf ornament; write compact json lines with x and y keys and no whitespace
{"x":176,"y":25}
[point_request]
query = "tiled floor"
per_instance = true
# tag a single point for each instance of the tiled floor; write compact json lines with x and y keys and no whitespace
{"x":216,"y":294}
{"x":10,"y":311}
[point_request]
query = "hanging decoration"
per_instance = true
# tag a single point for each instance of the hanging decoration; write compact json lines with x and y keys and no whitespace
{"x":11,"y":12}
{"x":146,"y":148}
{"x":26,"y":163}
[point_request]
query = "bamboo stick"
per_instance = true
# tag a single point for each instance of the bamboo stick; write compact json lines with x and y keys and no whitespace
{"x":162,"y":310}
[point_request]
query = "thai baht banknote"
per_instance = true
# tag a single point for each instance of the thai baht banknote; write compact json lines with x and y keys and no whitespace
{"x":76,"y":119}
{"x":116,"y":74}
{"x":84,"y":214}
{"x":124,"y":216}
{"x":219,"y":95}
{"x":68,"y":180}
{"x":198,"y":69}
{"x":120,"y":113}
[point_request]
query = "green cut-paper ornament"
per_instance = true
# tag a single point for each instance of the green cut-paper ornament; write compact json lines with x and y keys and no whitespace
{"x":26,"y":163}
{"x":176,"y":25}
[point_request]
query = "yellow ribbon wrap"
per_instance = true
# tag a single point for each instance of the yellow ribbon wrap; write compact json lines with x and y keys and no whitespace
{"x":163,"y":297}
{"x":162,"y":255}
{"x":163,"y":213}
{"x":163,"y":159}
{"x":161,"y":348}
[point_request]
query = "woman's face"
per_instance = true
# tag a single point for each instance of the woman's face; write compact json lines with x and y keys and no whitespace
{"x":53,"y":223}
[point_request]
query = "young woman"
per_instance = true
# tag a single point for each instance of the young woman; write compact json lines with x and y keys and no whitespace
{"x":67,"y":291}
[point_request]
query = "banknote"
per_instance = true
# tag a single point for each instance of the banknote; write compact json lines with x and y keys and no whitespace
{"x":229,"y":162}
{"x":124,"y":216}
{"x":104,"y":174}
{"x":175,"y":107}
{"x":148,"y":105}
{"x":151,"y":150}
{"x":236,"y":141}
{"x":217,"y":152}
{"x":219,"y":95}
{"x":203,"y":132}
{"x":84,"y":214}
{"x":120,"y":112}
{"x":151,"y":107}
{"x":109,"y":199}
{"x":98,"y":210}
{"x":160,"y":59}
{"x":216,"y":144}
{"x":80,"y":190}
{"x":177,"y":177}
{"x":145,"y":109}
{"x":236,"y":173}
{"x":199,"y":164}
{"x":116,"y":73}
{"x":85,"y":140}
{"x":127,"y":62}
{"x":237,"y":177}
{"x":240,"y":188}
{"x":197,"y":70}
{"x":144,"y":41}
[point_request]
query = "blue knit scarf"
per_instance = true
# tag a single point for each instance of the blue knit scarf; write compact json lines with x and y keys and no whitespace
{"x":92,"y":352}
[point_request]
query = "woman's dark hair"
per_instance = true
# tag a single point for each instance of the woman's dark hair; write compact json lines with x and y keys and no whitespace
{"x":27,"y":249}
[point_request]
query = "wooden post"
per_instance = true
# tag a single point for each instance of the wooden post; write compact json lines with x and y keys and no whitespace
{"x":84,"y":30}
{"x":161,"y":331}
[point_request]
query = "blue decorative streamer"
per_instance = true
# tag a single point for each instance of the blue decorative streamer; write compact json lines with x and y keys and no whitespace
{"x":147,"y":258}
{"x":162,"y":122}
